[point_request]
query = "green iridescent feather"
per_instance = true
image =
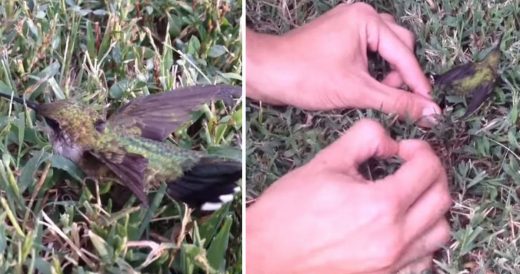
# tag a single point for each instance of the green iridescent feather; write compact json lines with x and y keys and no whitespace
{"x":130,"y":145}
{"x":475,"y":80}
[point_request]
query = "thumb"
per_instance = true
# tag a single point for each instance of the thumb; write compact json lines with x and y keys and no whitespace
{"x":364,"y":140}
{"x":406,"y":104}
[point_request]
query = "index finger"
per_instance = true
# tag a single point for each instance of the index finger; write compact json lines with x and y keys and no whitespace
{"x":365,"y":139}
{"x":421,"y":169}
{"x":382,"y":39}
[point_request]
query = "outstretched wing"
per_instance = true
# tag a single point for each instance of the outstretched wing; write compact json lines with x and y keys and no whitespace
{"x":448,"y":78}
{"x":156,"y":116}
{"x":130,"y":169}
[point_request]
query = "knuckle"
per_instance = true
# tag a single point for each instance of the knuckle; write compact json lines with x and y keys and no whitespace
{"x":357,"y":12}
{"x":370,"y":128}
{"x":363,"y":8}
{"x":442,"y":201}
{"x":404,"y":103}
{"x":410,"y":104}
{"x":407,"y":36}
{"x":424,"y":146}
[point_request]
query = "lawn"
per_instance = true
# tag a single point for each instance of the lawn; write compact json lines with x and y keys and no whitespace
{"x":481,"y":153}
{"x":105,"y":53}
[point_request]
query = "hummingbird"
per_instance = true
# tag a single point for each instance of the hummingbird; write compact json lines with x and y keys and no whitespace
{"x":475,"y":79}
{"x":130,"y":145}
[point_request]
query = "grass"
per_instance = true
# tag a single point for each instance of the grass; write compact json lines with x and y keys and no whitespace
{"x":481,"y":154}
{"x":104,"y":53}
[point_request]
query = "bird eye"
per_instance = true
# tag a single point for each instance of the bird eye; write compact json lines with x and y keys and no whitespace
{"x":52,"y":124}
{"x":99,"y":125}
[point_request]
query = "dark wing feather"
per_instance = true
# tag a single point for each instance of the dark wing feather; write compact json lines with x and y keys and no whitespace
{"x":206,"y":182}
{"x":130,"y":170}
{"x":159,"y":115}
{"x":454,"y":74}
{"x":478,"y":96}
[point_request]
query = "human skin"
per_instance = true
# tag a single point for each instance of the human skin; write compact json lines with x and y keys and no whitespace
{"x":324,"y":65}
{"x":324,"y":217}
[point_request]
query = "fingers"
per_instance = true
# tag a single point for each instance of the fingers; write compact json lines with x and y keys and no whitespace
{"x":391,"y":99}
{"x":430,"y":207}
{"x":365,"y":139}
{"x":405,"y":104}
{"x":418,"y":254}
{"x":406,"y":36}
{"x":420,"y":190}
{"x":394,"y":79}
{"x":387,"y":17}
{"x":405,"y":69}
{"x":383,"y":39}
{"x":420,"y":171}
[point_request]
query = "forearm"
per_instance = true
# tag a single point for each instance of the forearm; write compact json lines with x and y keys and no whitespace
{"x":266,"y":72}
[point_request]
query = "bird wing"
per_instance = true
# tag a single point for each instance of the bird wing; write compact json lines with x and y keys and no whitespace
{"x":478,"y":96}
{"x":130,"y":168}
{"x":156,"y":116}
{"x":448,"y":78}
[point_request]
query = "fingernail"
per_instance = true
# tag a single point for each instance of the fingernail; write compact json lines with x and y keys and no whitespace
{"x":430,"y":115}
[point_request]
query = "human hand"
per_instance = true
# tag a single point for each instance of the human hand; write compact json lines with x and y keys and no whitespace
{"x":324,"y":65}
{"x":324,"y":217}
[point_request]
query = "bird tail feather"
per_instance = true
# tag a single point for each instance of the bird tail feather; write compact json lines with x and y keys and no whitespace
{"x":207,"y":185}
